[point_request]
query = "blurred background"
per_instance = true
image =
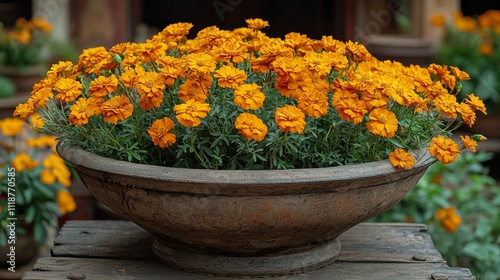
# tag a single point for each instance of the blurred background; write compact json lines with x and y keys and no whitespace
{"x":417,"y":32}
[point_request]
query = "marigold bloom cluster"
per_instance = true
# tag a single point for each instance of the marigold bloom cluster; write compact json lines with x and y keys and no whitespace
{"x":230,"y":99}
{"x":449,"y":218}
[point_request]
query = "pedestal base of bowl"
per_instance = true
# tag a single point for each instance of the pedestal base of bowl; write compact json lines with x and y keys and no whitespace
{"x":249,"y":266}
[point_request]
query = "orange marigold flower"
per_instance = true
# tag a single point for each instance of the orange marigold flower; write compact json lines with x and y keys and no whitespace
{"x":176,"y":31}
{"x":11,"y":126}
{"x":444,"y":149}
{"x":476,"y":103}
{"x":23,"y":161}
{"x":41,"y":24}
{"x":150,"y":86}
{"x":251,"y":127}
{"x":102,"y":86}
{"x":149,"y":51}
{"x":449,"y":218}
{"x":67,"y":89}
{"x":230,"y":77}
{"x":382,"y":122}
{"x":256,"y":23}
{"x":446,"y":104}
{"x":47,"y":177}
{"x":94,"y":60}
{"x":161,"y":132}
{"x":349,"y":107}
{"x":231,"y":51}
{"x":80,"y":112}
{"x":468,"y":143}
{"x":66,"y":202}
{"x":356,"y":52}
{"x":438,"y":20}
{"x":399,"y":158}
{"x":36,"y":121}
{"x":40,"y":96}
{"x":249,"y":96}
{"x":313,"y":103}
{"x":61,"y":69}
{"x":290,"y":118}
{"x":461,"y":75}
{"x":129,"y":77}
{"x":201,"y":63}
{"x":116,"y":109}
{"x":467,"y":113}
{"x":171,"y":73}
{"x":24,"y":110}
{"x":193,"y":89}
{"x":191,"y":112}
{"x":486,"y":48}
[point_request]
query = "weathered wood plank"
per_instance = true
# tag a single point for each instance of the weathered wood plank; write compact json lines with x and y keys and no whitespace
{"x":365,"y":242}
{"x":61,"y":267}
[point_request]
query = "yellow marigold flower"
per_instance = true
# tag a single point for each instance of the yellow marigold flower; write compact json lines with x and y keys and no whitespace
{"x":349,"y":107}
{"x":66,"y":202}
{"x":319,"y":63}
{"x":438,"y":20}
{"x":251,"y":127}
{"x":461,"y":75}
{"x":62,"y":69}
{"x":466,"y":24}
{"x":119,"y":48}
{"x":469,"y":143}
{"x":171,"y":73}
{"x":193,"y":89}
{"x":296,"y":41}
{"x":116,"y":109}
{"x":249,"y":96}
{"x":176,"y":31}
{"x":102,"y":86}
{"x":191,"y":112}
{"x":11,"y":126}
{"x":201,"y":63}
{"x":47,"y":177}
{"x":24,"y":110}
{"x":382,"y":122}
{"x":467,"y":113}
{"x":150,"y":51}
{"x":444,"y":149}
{"x":40,"y":96}
{"x":313,"y":103}
{"x":476,"y":103}
{"x":290,"y":118}
{"x":447,"y":104}
{"x":399,"y":158}
{"x":129,"y":77}
{"x":230,"y":77}
{"x":23,"y":161}
{"x":333,"y":45}
{"x":67,"y":89}
{"x":80,"y":112}
{"x":36,"y":121}
{"x":449,"y":218}
{"x":161,"y":132}
{"x":256,"y":23}
{"x":356,"y":52}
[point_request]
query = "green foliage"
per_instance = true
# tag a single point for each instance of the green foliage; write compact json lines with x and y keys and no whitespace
{"x":465,"y":185}
{"x":7,"y":88}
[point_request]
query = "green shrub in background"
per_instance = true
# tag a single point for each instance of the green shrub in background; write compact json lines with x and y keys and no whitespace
{"x":466,"y":186}
{"x":7,"y":88}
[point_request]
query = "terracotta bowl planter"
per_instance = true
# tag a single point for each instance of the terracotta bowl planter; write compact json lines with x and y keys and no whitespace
{"x":245,"y":223}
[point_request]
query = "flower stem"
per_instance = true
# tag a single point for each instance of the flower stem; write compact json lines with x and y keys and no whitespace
{"x":280,"y":145}
{"x":191,"y":143}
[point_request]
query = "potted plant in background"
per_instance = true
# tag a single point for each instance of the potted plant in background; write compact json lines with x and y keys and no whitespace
{"x":244,"y":154}
{"x":21,"y":58}
{"x":34,"y":183}
{"x":473,"y":45}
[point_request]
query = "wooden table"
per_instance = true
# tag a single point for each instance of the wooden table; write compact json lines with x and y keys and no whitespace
{"x":121,"y":250}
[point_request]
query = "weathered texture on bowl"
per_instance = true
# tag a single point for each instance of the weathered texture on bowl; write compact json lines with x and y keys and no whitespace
{"x":245,"y":223}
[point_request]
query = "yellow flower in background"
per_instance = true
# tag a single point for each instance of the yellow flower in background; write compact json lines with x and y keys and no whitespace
{"x":11,"y":126}
{"x":256,"y":23}
{"x":191,"y":112}
{"x":449,"y":218}
{"x":444,"y":149}
{"x":251,"y":127}
{"x":401,"y":159}
{"x":23,"y":161}
{"x":161,"y":132}
{"x":438,"y":20}
{"x":66,"y":202}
